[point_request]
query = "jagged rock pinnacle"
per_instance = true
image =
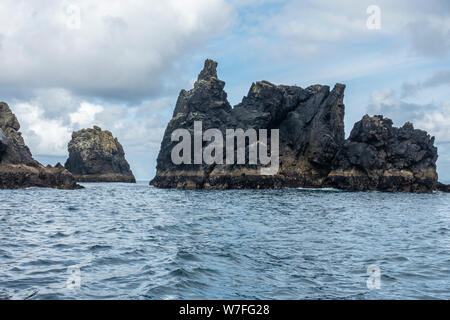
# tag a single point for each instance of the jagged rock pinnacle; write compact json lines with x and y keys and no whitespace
{"x":209,"y":70}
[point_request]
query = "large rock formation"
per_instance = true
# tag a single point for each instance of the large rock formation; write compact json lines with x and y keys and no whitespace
{"x":96,"y":156}
{"x":18,"y":169}
{"x":310,"y":123}
{"x":313,"y":151}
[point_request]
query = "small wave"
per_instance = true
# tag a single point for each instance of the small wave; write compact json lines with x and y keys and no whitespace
{"x":59,"y":234}
{"x":191,"y":284}
{"x":40,"y":262}
{"x":99,"y":247}
{"x":109,"y":261}
{"x":4,"y":295}
{"x":206,"y":271}
{"x":184,"y":255}
{"x":47,"y":271}
{"x":399,"y":259}
{"x":279,"y":257}
{"x":167,"y":228}
{"x":321,"y":189}
{"x":4,"y":254}
{"x":181,"y":272}
{"x":135,"y":252}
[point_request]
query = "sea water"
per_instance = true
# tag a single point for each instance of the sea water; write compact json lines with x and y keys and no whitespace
{"x":133,"y":241}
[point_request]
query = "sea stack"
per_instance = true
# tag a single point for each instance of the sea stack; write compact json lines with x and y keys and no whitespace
{"x":313,"y":151}
{"x":96,"y":156}
{"x":18,"y":169}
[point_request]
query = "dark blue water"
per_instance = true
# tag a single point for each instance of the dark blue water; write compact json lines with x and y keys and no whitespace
{"x":138,"y":242}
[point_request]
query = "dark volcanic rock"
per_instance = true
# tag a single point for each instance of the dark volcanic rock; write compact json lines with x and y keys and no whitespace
{"x":378,"y":156}
{"x":18,"y":169}
{"x":3,"y":144}
{"x":313,"y":150}
{"x":310,"y":123}
{"x":22,"y":176}
{"x":18,"y":152}
{"x":96,"y":156}
{"x":443,"y":187}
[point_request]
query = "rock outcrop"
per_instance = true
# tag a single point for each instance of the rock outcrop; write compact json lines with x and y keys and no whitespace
{"x":96,"y":156}
{"x":313,"y":151}
{"x":443,"y":187}
{"x":18,"y":169}
{"x":378,"y":156}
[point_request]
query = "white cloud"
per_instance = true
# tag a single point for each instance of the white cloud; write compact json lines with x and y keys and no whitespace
{"x":383,"y":99}
{"x":439,"y":78}
{"x":46,"y":136}
{"x":436,"y":122}
{"x":85,"y":115}
{"x":139,"y":128}
{"x":430,"y":36}
{"x":431,"y":117}
{"x":307,"y":29}
{"x":121,"y":50}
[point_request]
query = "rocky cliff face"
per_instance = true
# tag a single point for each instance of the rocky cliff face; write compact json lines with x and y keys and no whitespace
{"x":3,"y":144}
{"x":313,"y":151}
{"x":18,"y":169}
{"x":17,"y":151}
{"x":96,"y":156}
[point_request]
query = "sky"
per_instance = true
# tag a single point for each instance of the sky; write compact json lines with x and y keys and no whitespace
{"x":71,"y":64}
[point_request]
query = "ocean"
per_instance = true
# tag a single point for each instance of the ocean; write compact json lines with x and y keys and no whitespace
{"x":133,"y":241}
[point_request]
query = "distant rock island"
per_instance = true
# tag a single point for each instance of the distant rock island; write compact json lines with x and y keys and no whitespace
{"x":96,"y":156}
{"x":18,"y":169}
{"x":313,"y":151}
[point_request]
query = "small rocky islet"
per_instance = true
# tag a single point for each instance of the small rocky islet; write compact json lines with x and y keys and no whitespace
{"x":313,"y":150}
{"x":95,"y":155}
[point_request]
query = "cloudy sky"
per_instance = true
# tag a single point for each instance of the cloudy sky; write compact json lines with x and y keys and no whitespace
{"x":67,"y":65}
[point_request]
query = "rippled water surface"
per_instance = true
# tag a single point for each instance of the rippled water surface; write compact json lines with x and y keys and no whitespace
{"x":139,"y":242}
